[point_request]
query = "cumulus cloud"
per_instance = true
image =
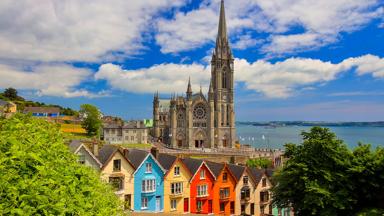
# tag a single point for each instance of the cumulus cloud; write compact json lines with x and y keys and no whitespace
{"x":320,"y":23}
{"x":47,"y":80}
{"x":274,"y":80}
{"x":165,"y":78}
{"x":72,"y":30}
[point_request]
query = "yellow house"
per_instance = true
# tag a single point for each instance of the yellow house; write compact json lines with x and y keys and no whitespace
{"x":263,"y":202}
{"x":176,"y":184}
{"x":118,"y":171}
{"x":245,"y":190}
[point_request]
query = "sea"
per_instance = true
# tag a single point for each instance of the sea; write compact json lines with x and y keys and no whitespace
{"x":275,"y":137}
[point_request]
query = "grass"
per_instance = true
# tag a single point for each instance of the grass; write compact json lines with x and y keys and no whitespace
{"x":137,"y":145}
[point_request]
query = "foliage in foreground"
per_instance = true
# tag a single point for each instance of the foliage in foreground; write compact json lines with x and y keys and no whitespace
{"x":40,"y":176}
{"x":260,"y":163}
{"x":323,"y":177}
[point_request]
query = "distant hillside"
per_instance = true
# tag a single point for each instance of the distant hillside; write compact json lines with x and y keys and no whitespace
{"x":309,"y":123}
{"x":22,"y":103}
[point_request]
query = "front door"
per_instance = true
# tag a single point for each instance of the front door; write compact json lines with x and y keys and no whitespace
{"x":186,"y":205}
{"x":127,"y":199}
{"x":158,"y":203}
{"x":209,"y":206}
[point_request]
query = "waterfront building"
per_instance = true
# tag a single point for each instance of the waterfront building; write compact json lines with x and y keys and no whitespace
{"x":119,"y":172}
{"x":132,"y":132}
{"x":176,"y":184}
{"x":223,"y":189}
{"x":201,"y":186}
{"x":245,"y":190}
{"x":148,"y":181}
{"x":197,"y":121}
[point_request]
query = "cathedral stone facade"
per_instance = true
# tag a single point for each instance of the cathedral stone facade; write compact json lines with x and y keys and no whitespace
{"x":197,"y":121}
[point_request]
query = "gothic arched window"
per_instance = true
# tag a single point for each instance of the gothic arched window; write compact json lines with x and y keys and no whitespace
{"x":224,"y":81}
{"x":180,"y":120}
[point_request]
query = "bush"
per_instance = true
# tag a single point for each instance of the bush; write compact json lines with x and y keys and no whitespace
{"x":40,"y":176}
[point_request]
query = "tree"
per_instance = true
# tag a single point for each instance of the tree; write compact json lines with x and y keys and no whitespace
{"x":92,"y":119}
{"x":40,"y":176}
{"x":260,"y":163}
{"x":10,"y":93}
{"x":323,"y":177}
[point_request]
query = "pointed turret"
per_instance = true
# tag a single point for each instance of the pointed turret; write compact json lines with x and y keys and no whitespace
{"x":189,"y":89}
{"x":222,"y":33}
{"x":211,"y":92}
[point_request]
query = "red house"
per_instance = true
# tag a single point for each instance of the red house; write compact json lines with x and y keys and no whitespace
{"x":201,"y":198}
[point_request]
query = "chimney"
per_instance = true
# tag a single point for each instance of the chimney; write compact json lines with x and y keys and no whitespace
{"x":155,"y":152}
{"x":95,"y":149}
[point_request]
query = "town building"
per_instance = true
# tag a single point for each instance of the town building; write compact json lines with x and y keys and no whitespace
{"x":132,"y":132}
{"x":148,"y":181}
{"x":263,"y":201}
{"x":197,"y":121}
{"x":85,"y":156}
{"x":52,"y":112}
{"x":176,"y":184}
{"x":119,"y":172}
{"x":201,"y":186}
{"x":7,"y":108}
{"x":245,"y":190}
{"x":223,"y":189}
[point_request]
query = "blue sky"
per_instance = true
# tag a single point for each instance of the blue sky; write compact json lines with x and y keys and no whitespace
{"x":295,"y":60}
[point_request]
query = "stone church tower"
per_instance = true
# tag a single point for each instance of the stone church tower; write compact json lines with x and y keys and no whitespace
{"x":195,"y":121}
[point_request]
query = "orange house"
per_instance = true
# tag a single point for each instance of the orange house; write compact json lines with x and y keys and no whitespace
{"x":224,"y":195}
{"x":201,"y":185}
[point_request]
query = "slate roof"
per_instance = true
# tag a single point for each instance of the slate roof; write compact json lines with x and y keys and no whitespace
{"x":257,"y":174}
{"x":136,"y":157}
{"x":192,"y":164}
{"x":42,"y":109}
{"x":74,"y":145}
{"x":236,"y":170}
{"x":105,"y":153}
{"x":166,"y":160}
{"x":269,"y":172}
{"x":215,"y":167}
{"x":134,"y":124}
{"x":3,"y":103}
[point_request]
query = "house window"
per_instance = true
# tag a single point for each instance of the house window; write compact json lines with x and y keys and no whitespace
{"x":144,"y":202}
{"x":252,"y":208}
{"x":224,"y":193}
{"x":116,"y":165}
{"x":116,"y":182}
{"x":245,"y":180}
{"x":148,"y":168}
{"x":176,"y":171}
{"x":264,"y":182}
{"x":132,"y":138}
{"x":177,"y":188}
{"x":245,"y":193}
{"x":148,"y":185}
{"x":262,"y":209}
{"x":225,"y":177}
{"x":264,"y":196}
{"x":127,"y":138}
{"x":82,"y":159}
{"x":202,"y":174}
{"x":202,"y":190}
{"x":173,"y":204}
{"x":222,"y":206}
{"x":199,"y":205}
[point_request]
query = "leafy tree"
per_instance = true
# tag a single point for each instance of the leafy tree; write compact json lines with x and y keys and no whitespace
{"x":323,"y":177}
{"x":259,"y":163}
{"x":40,"y":176}
{"x":92,"y":119}
{"x":10,"y":93}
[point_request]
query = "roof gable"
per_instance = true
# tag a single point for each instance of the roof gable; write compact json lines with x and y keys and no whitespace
{"x":237,"y":170}
{"x":182,"y":164}
{"x":203,"y":164}
{"x":146,"y":159}
{"x":75,"y":147}
{"x":112,"y":154}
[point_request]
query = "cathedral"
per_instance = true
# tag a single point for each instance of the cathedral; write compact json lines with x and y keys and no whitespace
{"x":197,"y":121}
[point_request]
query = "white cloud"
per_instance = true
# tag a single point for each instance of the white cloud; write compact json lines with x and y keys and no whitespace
{"x":274,"y":80}
{"x":72,"y":30}
{"x":165,"y":78}
{"x":320,"y":23}
{"x":47,"y":79}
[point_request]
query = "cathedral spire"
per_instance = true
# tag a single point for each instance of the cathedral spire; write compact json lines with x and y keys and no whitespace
{"x":189,"y":89}
{"x":222,"y":33}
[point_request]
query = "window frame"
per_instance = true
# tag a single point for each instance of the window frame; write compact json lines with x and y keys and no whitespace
{"x":148,"y":167}
{"x":118,"y":167}
{"x":144,"y":200}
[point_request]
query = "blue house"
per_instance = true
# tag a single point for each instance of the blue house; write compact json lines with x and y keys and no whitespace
{"x":148,"y":181}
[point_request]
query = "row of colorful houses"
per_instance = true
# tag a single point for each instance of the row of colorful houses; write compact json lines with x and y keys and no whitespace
{"x":156,"y":182}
